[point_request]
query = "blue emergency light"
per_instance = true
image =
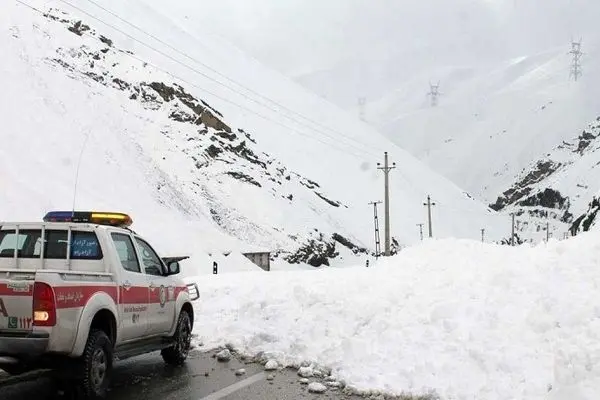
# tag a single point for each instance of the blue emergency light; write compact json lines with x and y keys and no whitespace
{"x":92,"y":217}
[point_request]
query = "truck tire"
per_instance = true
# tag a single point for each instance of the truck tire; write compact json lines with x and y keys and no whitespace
{"x":97,"y":366}
{"x":177,"y":354}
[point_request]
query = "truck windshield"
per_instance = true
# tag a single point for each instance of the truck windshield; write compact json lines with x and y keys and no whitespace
{"x":84,"y":245}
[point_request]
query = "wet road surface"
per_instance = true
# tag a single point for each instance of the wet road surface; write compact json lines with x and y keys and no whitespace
{"x":201,"y":378}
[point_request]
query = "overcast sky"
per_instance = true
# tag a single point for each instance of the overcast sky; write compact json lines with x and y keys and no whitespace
{"x":299,"y":35}
{"x":344,"y":49}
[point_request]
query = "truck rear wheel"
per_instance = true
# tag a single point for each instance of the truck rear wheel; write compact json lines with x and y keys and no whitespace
{"x":177,"y":354}
{"x":97,"y":365}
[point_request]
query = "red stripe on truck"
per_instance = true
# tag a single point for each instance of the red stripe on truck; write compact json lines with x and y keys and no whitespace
{"x":78,"y":296}
{"x":179,"y":289}
{"x":170,"y":293}
{"x":134,"y":295}
{"x":24,"y":288}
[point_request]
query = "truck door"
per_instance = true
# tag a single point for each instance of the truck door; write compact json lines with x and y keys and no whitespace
{"x":133,"y":290}
{"x":161,"y":290}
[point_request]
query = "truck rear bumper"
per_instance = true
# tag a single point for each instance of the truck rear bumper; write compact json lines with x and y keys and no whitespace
{"x":27,"y":345}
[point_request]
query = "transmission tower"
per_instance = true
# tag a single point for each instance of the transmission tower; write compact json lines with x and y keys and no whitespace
{"x":576,"y":53}
{"x":362,"y":101}
{"x":377,"y":240}
{"x":434,"y":93}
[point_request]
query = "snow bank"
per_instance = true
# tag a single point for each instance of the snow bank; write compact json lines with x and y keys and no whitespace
{"x":466,"y":319}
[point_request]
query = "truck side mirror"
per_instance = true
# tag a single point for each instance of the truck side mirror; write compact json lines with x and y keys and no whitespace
{"x":174,"y":268}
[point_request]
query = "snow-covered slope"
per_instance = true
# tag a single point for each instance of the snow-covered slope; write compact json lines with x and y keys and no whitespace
{"x":201,"y":167}
{"x":498,"y":119}
{"x":506,"y":98}
{"x":461,"y":319}
{"x":587,"y":221}
{"x":500,"y":131}
{"x":559,"y":186}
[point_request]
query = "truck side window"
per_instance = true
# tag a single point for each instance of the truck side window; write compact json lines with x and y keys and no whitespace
{"x":84,"y":245}
{"x":126,"y":252}
{"x":28,"y":243}
{"x":8,"y":242}
{"x":150,"y":259}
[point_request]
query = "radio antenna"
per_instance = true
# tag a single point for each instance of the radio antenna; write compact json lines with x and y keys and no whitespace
{"x":87,"y":136}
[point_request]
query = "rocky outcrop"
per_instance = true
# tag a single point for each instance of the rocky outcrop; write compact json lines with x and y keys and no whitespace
{"x":347,"y":243}
{"x":584,"y":222}
{"x":522,"y":188}
{"x":316,"y":252}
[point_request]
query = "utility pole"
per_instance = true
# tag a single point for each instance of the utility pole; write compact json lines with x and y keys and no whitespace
{"x":576,"y":62}
{"x":377,"y":241}
{"x":434,"y":93}
{"x":362,"y":101}
{"x":482,"y":234}
{"x":512,"y":236}
{"x":386,"y":171}
{"x":421,"y":230}
{"x":429,"y":204}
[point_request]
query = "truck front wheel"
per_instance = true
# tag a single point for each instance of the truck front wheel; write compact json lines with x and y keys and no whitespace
{"x":97,"y":365}
{"x":178,"y":352}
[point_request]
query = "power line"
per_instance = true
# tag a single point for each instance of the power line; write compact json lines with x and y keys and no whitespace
{"x":464,"y":210}
{"x":218,"y":72}
{"x":294,"y":130}
{"x":211,"y":78}
{"x":362,"y":101}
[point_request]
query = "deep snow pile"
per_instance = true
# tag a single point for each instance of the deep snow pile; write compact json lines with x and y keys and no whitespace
{"x":465,"y":319}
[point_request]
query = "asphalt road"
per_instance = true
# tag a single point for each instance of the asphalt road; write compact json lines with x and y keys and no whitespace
{"x":201,"y":378}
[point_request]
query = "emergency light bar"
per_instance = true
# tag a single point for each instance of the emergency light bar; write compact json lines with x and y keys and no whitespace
{"x":92,"y":217}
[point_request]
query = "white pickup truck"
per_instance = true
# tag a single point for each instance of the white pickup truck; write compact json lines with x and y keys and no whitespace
{"x":80,"y":290}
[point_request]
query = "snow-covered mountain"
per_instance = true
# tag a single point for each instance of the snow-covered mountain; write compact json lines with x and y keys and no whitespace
{"x":520,"y":134}
{"x":587,"y":221}
{"x":559,"y":186}
{"x":508,"y":131}
{"x":208,"y":150}
{"x":506,"y":98}
{"x":510,"y":115}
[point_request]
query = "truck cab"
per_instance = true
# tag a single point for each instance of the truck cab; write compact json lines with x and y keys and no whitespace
{"x":80,"y":290}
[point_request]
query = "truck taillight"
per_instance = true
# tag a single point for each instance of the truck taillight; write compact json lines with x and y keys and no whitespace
{"x":44,"y":305}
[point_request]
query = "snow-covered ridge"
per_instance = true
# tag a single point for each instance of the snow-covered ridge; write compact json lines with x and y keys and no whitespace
{"x":507,"y":97}
{"x":587,"y":221}
{"x":214,"y":152}
{"x":559,"y":186}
